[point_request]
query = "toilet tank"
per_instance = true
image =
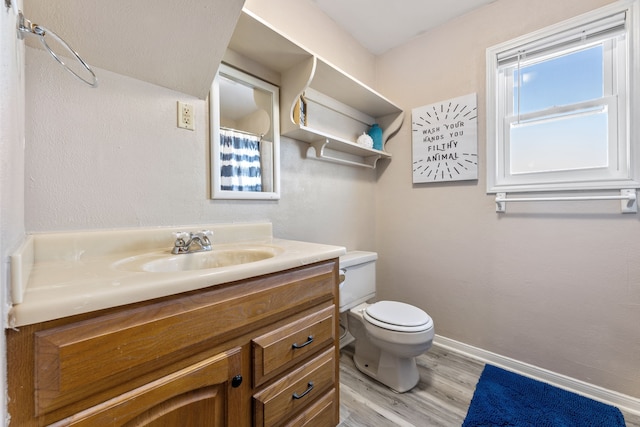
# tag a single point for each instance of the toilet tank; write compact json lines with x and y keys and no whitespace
{"x":359,"y":285}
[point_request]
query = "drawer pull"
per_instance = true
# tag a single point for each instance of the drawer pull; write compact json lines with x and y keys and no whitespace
{"x":309,"y":388}
{"x":304,"y":344}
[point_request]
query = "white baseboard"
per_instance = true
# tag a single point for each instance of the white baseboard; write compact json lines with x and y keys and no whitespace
{"x":622,"y":401}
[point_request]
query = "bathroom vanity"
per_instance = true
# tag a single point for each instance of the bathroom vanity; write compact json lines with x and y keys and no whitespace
{"x":255,"y":350}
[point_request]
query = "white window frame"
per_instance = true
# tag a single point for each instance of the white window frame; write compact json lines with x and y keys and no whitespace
{"x":624,"y":170}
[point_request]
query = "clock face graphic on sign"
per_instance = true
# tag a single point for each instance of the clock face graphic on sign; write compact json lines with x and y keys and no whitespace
{"x":445,"y":140}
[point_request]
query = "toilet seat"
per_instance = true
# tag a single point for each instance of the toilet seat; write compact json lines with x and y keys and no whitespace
{"x":397,"y":316}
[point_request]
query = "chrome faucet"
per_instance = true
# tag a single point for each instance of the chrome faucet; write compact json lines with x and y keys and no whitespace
{"x":185,"y":240}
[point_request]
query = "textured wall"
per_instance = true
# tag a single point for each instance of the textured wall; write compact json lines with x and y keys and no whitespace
{"x":305,"y":23}
{"x":11,"y":161}
{"x":556,"y":285}
{"x":113,"y":157}
{"x":159,"y":41}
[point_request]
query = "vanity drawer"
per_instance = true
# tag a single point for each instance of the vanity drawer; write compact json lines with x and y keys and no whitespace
{"x":322,"y":413}
{"x":279,"y":349}
{"x":295,"y":392}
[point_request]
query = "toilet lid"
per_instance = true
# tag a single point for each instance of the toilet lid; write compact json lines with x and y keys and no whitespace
{"x":398,"y":316}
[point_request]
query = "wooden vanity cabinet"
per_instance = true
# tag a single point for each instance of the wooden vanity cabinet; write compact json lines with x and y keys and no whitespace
{"x":262,"y":351}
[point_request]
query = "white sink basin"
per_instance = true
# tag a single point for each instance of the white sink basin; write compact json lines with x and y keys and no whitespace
{"x":54,"y":275}
{"x":164,"y":262}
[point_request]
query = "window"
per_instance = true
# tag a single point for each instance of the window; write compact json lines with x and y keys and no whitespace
{"x":558,"y":106}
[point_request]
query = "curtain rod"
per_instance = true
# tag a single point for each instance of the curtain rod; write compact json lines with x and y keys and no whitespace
{"x":260,"y":135}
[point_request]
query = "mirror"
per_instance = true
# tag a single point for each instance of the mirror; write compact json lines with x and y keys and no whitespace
{"x":245,"y":137}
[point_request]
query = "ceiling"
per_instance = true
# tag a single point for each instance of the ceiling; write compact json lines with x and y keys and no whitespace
{"x":380,"y":25}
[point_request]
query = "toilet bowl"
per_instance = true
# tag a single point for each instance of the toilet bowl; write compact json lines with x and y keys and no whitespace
{"x":386,"y":349}
{"x":388,"y":334}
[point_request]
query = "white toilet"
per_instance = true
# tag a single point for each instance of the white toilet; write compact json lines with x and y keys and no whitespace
{"x":388,"y":334}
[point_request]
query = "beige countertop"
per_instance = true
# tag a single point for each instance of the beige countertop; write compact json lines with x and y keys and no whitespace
{"x":63,"y":274}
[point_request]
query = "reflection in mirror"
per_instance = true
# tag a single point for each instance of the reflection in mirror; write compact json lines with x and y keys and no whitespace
{"x":245,"y":137}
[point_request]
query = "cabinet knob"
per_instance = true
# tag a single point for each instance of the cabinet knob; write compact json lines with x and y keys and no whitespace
{"x":236,"y":381}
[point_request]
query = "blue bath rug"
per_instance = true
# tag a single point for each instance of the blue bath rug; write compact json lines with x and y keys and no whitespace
{"x":503,"y":398}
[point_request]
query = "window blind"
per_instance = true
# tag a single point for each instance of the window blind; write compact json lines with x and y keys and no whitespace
{"x":607,"y":27}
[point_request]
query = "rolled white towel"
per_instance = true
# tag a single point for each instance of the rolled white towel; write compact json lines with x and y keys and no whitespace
{"x":365,"y":140}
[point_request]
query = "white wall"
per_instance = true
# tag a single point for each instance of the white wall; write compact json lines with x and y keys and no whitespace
{"x":304,"y":22}
{"x":557,"y":286}
{"x":113,"y":157}
{"x":554,"y":285}
{"x":11,"y":162}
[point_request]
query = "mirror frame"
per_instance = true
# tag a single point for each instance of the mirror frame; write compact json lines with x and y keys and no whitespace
{"x":214,"y":125}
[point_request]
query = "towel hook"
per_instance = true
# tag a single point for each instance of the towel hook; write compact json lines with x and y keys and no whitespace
{"x":26,"y":26}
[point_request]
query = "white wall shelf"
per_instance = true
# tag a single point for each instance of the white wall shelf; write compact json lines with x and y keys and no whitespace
{"x":331,"y":149}
{"x":339,"y":108}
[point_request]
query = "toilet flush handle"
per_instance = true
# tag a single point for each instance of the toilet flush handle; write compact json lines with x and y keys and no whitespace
{"x":342,"y":276}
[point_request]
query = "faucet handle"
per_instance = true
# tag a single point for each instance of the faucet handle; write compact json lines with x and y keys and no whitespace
{"x":206,"y":235}
{"x":182,"y":237}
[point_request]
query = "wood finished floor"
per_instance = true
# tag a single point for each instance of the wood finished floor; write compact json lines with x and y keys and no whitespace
{"x":447,"y":383}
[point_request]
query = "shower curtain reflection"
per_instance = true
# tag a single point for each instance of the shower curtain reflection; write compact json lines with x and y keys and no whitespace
{"x":240,"y":168}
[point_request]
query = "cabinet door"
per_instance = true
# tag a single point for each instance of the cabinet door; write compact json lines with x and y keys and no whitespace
{"x":201,"y":395}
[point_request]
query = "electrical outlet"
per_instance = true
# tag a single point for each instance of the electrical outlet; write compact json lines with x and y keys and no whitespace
{"x":185,"y":116}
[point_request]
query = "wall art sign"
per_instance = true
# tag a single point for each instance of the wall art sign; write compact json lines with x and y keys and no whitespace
{"x":445,"y":140}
